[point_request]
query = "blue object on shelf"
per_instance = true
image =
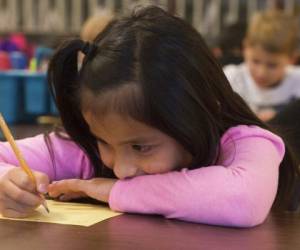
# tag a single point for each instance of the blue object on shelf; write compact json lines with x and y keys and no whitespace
{"x":36,"y":94}
{"x":18,"y":60}
{"x":10,"y":97}
{"x":42,"y":53}
{"x":24,"y":95}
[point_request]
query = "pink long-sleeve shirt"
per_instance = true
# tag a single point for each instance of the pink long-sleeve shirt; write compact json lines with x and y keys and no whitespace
{"x":237,"y":191}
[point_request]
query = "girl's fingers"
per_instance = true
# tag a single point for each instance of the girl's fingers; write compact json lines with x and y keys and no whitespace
{"x":65,"y":187}
{"x":11,"y":208}
{"x":11,"y":213}
{"x":21,"y":196}
{"x":42,"y":182}
{"x":18,"y":195}
{"x":18,"y":207}
{"x":71,"y":196}
{"x":22,"y":180}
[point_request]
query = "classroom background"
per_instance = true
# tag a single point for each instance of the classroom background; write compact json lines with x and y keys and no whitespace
{"x":30,"y":30}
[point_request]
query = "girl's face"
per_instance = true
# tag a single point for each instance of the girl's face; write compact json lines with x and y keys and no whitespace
{"x":131,"y":148}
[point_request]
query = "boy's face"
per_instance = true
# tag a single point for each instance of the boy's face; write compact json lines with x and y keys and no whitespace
{"x":131,"y":148}
{"x":267,"y":69}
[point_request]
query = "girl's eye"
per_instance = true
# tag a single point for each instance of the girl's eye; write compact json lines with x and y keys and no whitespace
{"x":141,"y":148}
{"x":101,"y":142}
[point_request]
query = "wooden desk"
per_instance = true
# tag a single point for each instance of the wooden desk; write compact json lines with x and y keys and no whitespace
{"x":280,"y":231}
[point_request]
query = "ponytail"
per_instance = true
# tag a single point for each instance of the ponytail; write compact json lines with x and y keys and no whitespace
{"x":63,"y":79}
{"x":63,"y":73}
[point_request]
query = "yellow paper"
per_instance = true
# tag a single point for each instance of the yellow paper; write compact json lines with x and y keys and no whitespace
{"x":69,"y":213}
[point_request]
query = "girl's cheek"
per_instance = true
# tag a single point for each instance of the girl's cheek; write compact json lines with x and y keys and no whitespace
{"x":107,"y":156}
{"x":156,"y":167}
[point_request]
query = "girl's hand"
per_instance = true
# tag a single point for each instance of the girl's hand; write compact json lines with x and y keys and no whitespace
{"x":97,"y":188}
{"x":18,"y":194}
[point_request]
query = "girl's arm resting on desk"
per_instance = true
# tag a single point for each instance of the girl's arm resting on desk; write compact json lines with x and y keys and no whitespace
{"x":239,"y":191}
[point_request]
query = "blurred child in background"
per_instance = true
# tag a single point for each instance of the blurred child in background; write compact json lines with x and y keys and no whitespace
{"x":267,"y":80}
{"x":95,"y":24}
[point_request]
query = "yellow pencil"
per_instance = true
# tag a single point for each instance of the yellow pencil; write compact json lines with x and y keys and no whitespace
{"x":7,"y":134}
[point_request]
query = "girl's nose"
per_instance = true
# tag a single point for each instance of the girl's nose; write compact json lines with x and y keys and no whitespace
{"x":125,"y":169}
{"x":107,"y":157}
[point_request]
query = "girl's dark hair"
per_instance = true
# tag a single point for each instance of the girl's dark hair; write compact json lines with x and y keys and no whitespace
{"x":162,"y":74}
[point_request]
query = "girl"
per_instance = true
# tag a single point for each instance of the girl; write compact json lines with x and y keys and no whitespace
{"x":154,"y":128}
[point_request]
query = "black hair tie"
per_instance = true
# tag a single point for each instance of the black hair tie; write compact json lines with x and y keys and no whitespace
{"x":88,"y":48}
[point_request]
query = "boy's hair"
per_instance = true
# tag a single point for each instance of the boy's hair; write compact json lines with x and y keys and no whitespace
{"x":95,"y":24}
{"x":274,"y":30}
{"x":156,"y":69}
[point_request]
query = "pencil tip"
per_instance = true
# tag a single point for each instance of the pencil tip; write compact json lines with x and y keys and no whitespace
{"x":46,"y":207}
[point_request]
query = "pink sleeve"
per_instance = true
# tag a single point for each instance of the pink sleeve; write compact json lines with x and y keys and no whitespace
{"x":67,"y":161}
{"x":238,"y":191}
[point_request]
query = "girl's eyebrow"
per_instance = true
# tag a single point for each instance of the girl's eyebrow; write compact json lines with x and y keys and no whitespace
{"x":133,"y":140}
{"x":137,"y":140}
{"x":99,"y":139}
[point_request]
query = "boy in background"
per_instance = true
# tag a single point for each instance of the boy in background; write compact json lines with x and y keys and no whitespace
{"x":267,"y":80}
